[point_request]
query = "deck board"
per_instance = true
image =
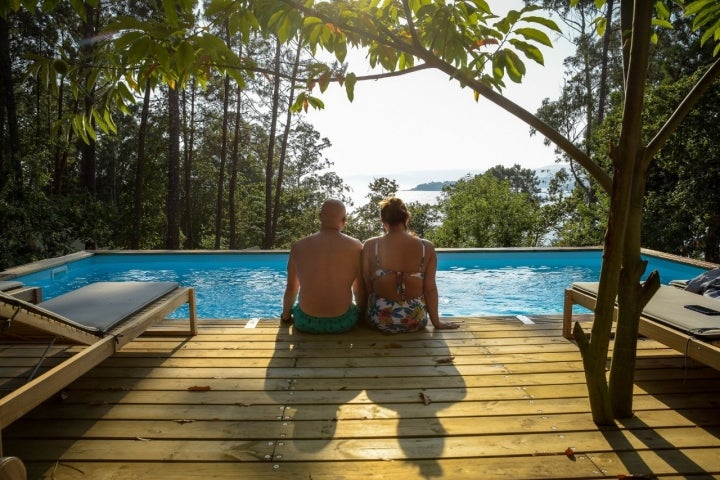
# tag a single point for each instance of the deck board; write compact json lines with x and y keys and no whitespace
{"x":494,"y":399}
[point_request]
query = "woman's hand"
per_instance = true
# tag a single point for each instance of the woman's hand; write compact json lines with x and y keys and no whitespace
{"x":440,"y":325}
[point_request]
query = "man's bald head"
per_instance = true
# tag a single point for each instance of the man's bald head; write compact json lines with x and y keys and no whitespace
{"x":332,"y":214}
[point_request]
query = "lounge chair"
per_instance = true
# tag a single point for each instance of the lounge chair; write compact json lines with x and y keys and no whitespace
{"x":18,"y":290}
{"x":103,"y":316}
{"x":665,"y":319}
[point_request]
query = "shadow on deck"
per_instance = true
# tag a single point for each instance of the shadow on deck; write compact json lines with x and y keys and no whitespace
{"x":494,"y":399}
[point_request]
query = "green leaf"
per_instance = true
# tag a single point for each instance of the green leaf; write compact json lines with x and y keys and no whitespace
{"x":215,"y":7}
{"x":79,"y":7}
{"x":514,"y":67}
{"x":185,"y":56}
{"x":600,"y":26}
{"x":695,"y":7}
{"x":99,"y":120}
{"x":170,"y":12}
{"x":546,"y":22}
{"x":662,"y":23}
{"x":350,"y":81}
{"x":87,"y":125}
{"x":662,"y":10}
{"x":531,"y":51}
{"x":140,"y":51}
{"x":535,"y":34}
{"x":315,"y":102}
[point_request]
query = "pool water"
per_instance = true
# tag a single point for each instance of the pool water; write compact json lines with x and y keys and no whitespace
{"x":251,"y":285}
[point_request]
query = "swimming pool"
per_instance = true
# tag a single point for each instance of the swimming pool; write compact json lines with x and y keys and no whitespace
{"x":251,"y":284}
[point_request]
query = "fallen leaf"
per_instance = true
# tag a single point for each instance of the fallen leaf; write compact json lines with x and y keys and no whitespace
{"x":199,"y":388}
{"x":142,"y":439}
{"x":445,"y":360}
{"x":425,"y":398}
{"x":570,"y":452}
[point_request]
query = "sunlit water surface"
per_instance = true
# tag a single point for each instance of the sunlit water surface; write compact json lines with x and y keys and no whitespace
{"x":250,"y":285}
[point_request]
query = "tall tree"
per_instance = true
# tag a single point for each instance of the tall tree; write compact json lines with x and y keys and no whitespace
{"x":223,"y":154}
{"x":140,"y":170}
{"x":10,"y":168}
{"x":270,"y":157}
{"x":173,"y":171}
{"x":284,"y":147}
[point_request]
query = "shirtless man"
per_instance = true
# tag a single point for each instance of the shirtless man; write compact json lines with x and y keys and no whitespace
{"x":325,"y":270}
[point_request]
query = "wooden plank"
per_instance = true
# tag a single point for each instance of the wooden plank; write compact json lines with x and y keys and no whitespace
{"x":350,"y":428}
{"x":390,"y":449}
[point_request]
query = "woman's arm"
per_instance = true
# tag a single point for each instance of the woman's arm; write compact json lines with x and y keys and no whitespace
{"x":430,"y":290}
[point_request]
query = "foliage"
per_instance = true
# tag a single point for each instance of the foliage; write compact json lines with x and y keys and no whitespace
{"x":482,"y":211}
{"x":683,"y":202}
{"x":365,"y":222}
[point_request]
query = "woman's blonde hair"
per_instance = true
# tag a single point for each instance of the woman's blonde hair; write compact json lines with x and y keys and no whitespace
{"x":394,"y":212}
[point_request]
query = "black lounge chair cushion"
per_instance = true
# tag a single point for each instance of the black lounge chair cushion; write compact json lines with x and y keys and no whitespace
{"x":100,"y":306}
{"x":667,"y":306}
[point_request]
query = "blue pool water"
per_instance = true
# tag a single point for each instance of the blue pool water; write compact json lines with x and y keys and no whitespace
{"x":248,"y":285}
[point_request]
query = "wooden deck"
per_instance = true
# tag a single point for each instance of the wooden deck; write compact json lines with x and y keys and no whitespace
{"x":494,"y":399}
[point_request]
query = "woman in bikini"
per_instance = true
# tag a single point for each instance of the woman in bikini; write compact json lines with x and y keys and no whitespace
{"x":399,"y":274}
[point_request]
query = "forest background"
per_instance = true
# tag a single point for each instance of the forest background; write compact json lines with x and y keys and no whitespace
{"x":249,"y":169}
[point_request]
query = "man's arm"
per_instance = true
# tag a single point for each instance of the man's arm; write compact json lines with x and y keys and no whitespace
{"x":291,"y":290}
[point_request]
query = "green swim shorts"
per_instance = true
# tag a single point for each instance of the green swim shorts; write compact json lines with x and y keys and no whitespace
{"x":309,"y":324}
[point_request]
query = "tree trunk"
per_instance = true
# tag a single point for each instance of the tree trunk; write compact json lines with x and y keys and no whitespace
{"x":632,"y":298}
{"x":283,"y":147}
{"x":269,"y":161}
{"x":712,"y":239}
{"x":189,"y":145}
{"x":603,"y":87}
{"x":60,"y":154}
{"x":223,"y":160}
{"x":88,"y":154}
{"x":172,"y":240}
{"x":235,"y":164}
{"x":140,"y":171}
{"x":634,"y":166}
{"x":9,"y":170}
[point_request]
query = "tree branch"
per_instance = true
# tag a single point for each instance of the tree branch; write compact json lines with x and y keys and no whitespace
{"x":466,"y":78}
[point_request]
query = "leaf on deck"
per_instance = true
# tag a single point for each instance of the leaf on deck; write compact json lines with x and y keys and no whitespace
{"x":199,"y":388}
{"x":445,"y":360}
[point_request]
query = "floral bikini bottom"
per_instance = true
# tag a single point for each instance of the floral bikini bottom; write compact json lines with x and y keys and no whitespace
{"x":393,"y":316}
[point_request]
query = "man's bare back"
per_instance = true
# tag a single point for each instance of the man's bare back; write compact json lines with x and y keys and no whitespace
{"x":324,"y":269}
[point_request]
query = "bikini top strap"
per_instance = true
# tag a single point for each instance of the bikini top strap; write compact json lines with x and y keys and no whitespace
{"x":422,"y":259}
{"x":377,"y":257}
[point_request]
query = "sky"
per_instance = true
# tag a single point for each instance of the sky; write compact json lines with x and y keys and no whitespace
{"x":422,"y":126}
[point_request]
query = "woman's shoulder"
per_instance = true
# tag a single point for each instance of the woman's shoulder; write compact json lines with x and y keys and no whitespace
{"x":370,"y":242}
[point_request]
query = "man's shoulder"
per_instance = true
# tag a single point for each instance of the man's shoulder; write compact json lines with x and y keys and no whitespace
{"x":349,"y":238}
{"x":302,"y":241}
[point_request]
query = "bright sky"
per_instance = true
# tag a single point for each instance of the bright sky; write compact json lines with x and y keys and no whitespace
{"x":424,"y":123}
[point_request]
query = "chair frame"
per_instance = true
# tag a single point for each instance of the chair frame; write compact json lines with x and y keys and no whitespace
{"x":692,"y":347}
{"x":23,"y":399}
